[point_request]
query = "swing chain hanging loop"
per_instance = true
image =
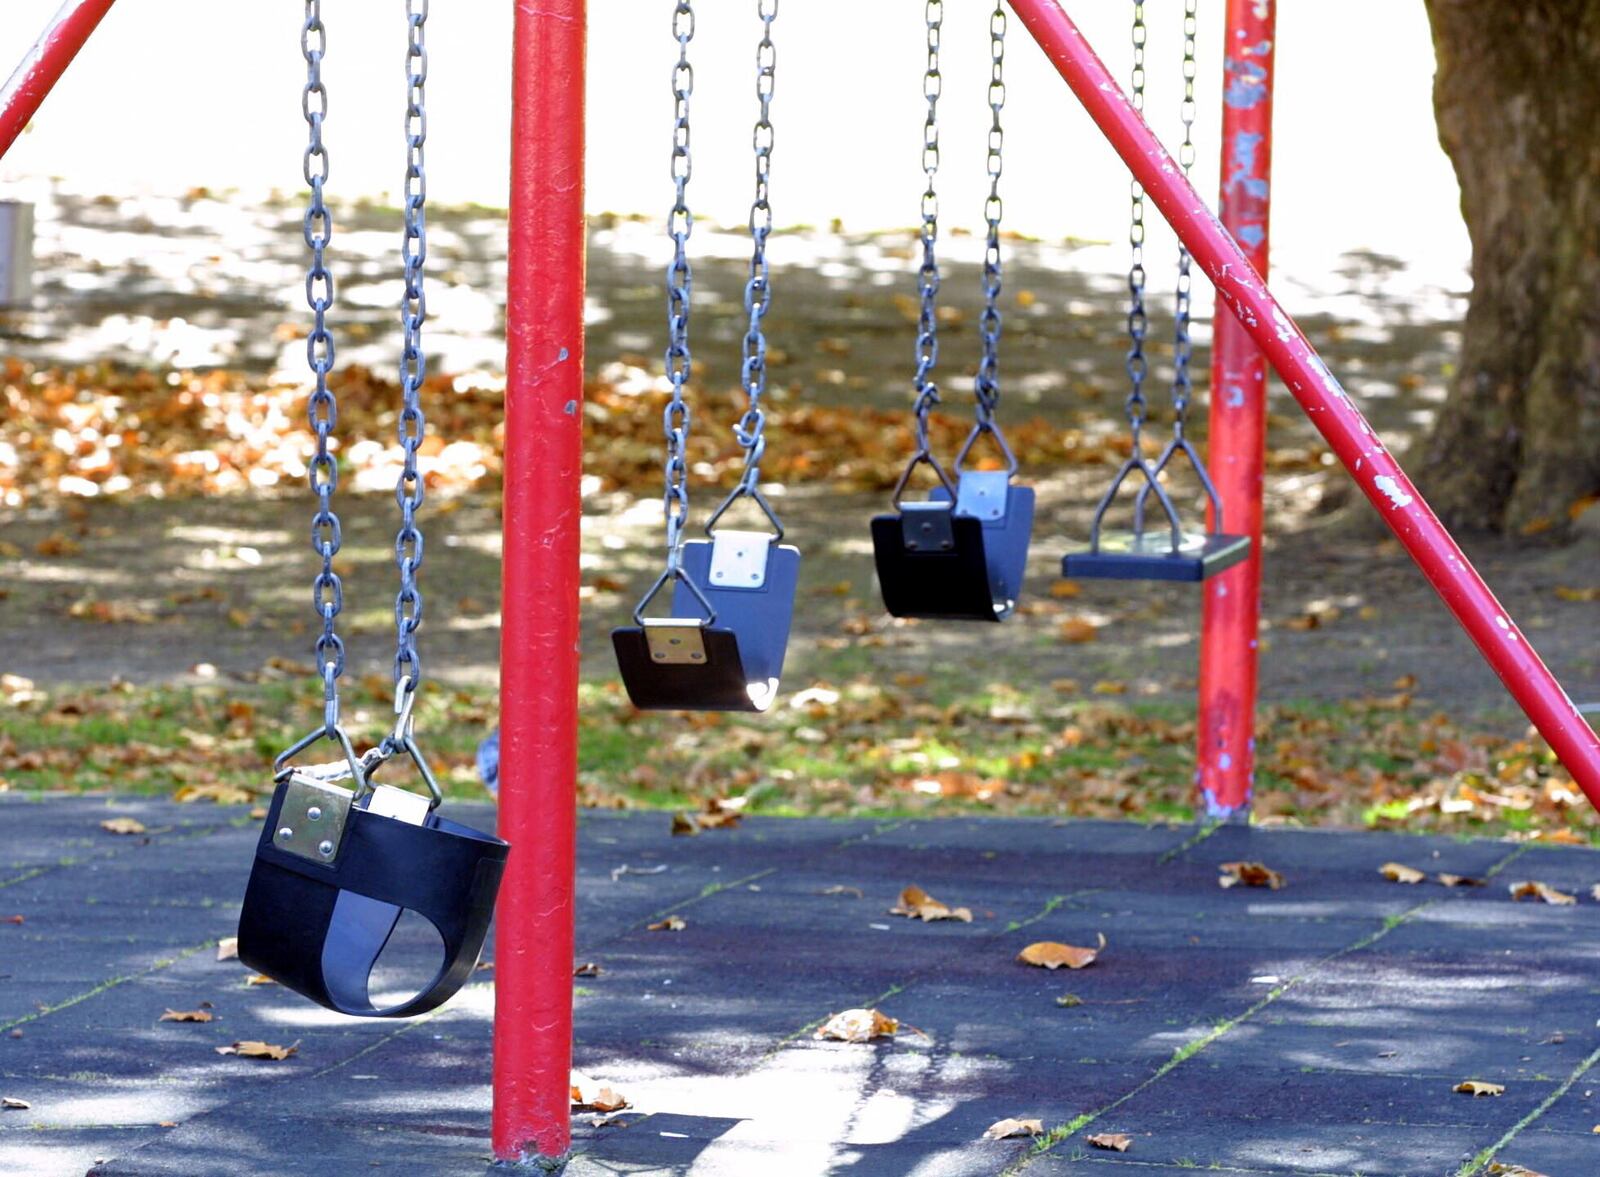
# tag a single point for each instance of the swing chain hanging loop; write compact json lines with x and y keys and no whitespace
{"x":327,"y":591}
{"x":986,"y":385}
{"x":413,"y":364}
{"x":750,"y":430}
{"x":680,"y":284}
{"x":927,"y":346}
{"x":1182,"y":381}
{"x":1138,"y":321}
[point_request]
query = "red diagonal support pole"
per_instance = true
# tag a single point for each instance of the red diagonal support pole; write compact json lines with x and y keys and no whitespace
{"x":44,"y":64}
{"x":1225,"y":731}
{"x":1333,"y":413}
{"x":539,"y":591}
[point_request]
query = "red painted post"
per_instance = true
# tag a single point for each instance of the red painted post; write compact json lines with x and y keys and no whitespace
{"x":1336,"y":417}
{"x":539,"y":590}
{"x":42,"y":67}
{"x":1225,"y":734}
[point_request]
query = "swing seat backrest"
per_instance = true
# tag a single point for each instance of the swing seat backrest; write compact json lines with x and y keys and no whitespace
{"x":961,"y":564}
{"x":735,"y":663}
{"x":318,"y":928}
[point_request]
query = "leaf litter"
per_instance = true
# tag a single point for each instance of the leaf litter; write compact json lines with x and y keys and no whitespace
{"x":1049,"y":954}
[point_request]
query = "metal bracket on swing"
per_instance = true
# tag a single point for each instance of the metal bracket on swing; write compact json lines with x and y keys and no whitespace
{"x":674,"y":642}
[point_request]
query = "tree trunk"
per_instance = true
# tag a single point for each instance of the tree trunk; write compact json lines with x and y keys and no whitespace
{"x":1517,"y":97}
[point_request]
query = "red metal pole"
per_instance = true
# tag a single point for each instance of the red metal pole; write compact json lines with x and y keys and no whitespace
{"x":1225,"y":736}
{"x":539,"y":592}
{"x":42,"y":67}
{"x":1336,"y":417}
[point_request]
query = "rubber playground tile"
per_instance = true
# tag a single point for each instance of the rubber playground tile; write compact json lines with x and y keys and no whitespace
{"x":26,"y":1152}
{"x":1315,"y":1122}
{"x":1553,"y":1153}
{"x":1033,"y":837}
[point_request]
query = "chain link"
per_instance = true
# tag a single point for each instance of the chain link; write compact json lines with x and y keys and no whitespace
{"x":327,"y":591}
{"x":1182,"y":348}
{"x":749,"y":430}
{"x":680,"y":223}
{"x":1138,"y":321}
{"x":413,"y":312}
{"x":987,"y":384}
{"x":927,"y":348}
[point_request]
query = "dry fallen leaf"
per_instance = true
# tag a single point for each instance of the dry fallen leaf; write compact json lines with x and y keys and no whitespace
{"x":1498,"y":1169}
{"x":1077,"y":630}
{"x":606,"y":1099}
{"x":1397,"y":872}
{"x":858,"y":1025}
{"x":1473,"y":1087}
{"x":915,"y":903}
{"x":228,"y":948}
{"x":684,"y":826}
{"x":1004,"y":1129}
{"x":13,"y":919}
{"x":1115,"y":1141}
{"x":673,"y":923}
{"x":259,"y":979}
{"x":186,"y":1015}
{"x":1450,"y":880}
{"x":122,"y":825}
{"x":1047,"y":954}
{"x":1251,"y":874}
{"x":253,"y":1049}
{"x":15,"y":1105}
{"x":1531,"y":889}
{"x":221,"y":794}
{"x":1069,"y":1000}
{"x":587,"y":969}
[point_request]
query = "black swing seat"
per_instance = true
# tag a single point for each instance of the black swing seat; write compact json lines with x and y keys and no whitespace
{"x":956,"y":562}
{"x":732,"y":661}
{"x":1149,"y":555}
{"x":331,"y":880}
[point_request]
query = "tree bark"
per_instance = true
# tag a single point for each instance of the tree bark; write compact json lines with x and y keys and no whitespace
{"x":1517,"y":98}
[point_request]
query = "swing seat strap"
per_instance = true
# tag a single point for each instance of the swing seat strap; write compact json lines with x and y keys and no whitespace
{"x":318,"y":928}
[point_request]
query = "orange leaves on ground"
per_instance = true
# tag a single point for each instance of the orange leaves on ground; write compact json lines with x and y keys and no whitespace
{"x":673,"y":923}
{"x":14,"y":919}
{"x":858,"y":1025}
{"x":1251,"y":874}
{"x":1397,"y":872}
{"x":1532,"y":889}
{"x":250,"y":1048}
{"x":122,"y":825}
{"x":955,"y":784}
{"x":1048,"y":954}
{"x":1007,"y":1128}
{"x":1077,"y":630}
{"x":228,"y":948}
{"x":110,"y":612}
{"x":221,"y":794}
{"x":186,"y":1015}
{"x":1567,"y":593}
{"x":1448,"y":880}
{"x":255,"y":979}
{"x":917,"y":904}
{"x":1113,"y":1141}
{"x":596,"y":1098}
{"x":1474,"y":1087}
{"x":587,"y":969}
{"x":56,"y":544}
{"x":718,"y":813}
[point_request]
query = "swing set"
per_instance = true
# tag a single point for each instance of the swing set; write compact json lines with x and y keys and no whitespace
{"x":341,"y":857}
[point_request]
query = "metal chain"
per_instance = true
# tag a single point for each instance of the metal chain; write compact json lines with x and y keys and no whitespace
{"x":413,"y":312}
{"x":680,"y":223}
{"x":927,"y":348}
{"x":327,"y":591}
{"x":758,"y":290}
{"x":987,"y":384}
{"x":1182,"y":348}
{"x":1138,"y":321}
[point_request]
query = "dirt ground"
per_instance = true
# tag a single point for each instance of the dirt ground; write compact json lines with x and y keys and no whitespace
{"x":204,"y":282}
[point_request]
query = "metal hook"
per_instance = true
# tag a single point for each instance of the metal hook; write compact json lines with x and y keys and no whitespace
{"x":674,"y":572}
{"x":978,"y":431}
{"x":748,"y":487}
{"x":1136,"y":462}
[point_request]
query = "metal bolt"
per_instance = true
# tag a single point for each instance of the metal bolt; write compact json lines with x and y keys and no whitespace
{"x":325,"y":848}
{"x":285,"y":834}
{"x":314,"y":813}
